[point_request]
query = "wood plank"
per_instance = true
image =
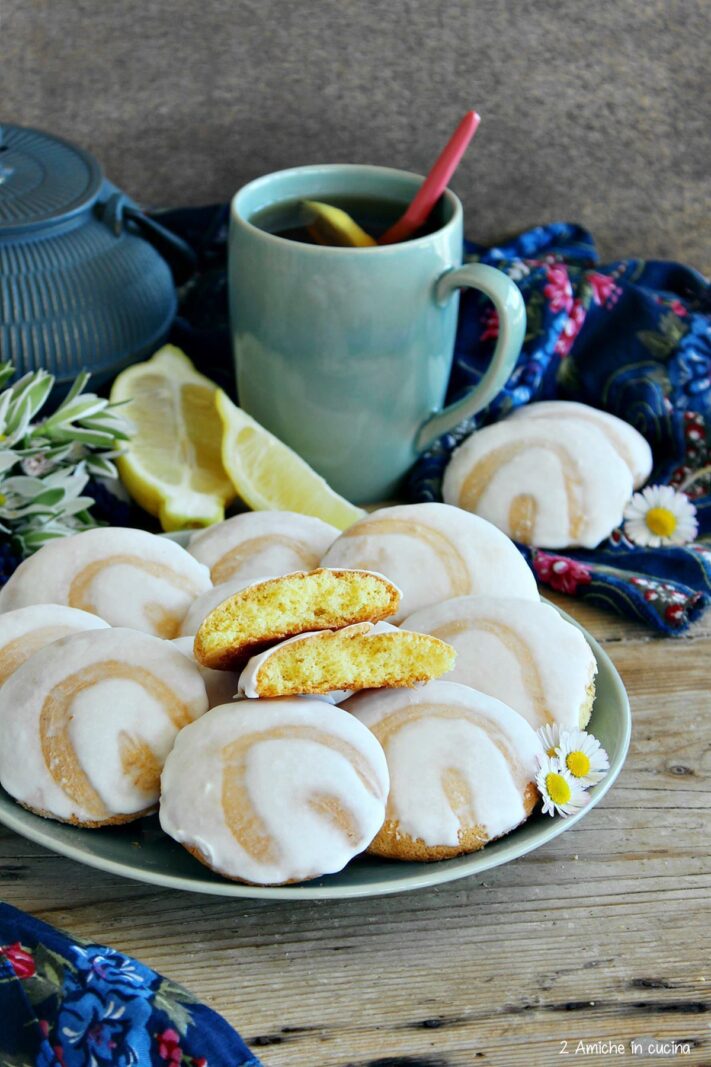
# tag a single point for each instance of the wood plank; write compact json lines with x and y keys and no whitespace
{"x":602,"y":935}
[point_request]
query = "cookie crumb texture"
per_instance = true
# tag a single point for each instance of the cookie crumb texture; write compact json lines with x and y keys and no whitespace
{"x":352,"y":659}
{"x":261,"y":614}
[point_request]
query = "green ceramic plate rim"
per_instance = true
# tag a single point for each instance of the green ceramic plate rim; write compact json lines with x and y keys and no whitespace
{"x":415,"y":875}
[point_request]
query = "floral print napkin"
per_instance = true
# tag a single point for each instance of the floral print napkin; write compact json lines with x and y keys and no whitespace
{"x":65,"y":1003}
{"x":634,"y":339}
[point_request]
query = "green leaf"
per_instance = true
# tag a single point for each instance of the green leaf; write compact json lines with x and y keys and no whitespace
{"x":81,"y":438}
{"x":101,"y":467}
{"x":77,"y":387}
{"x":6,"y":372}
{"x":50,"y":497}
{"x":170,"y":999}
{"x":5,"y":402}
{"x":568,"y":375}
{"x":39,"y":391}
{"x":660,"y":346}
{"x":18,"y":419}
{"x":82,"y":407}
{"x":673,"y":327}
{"x":34,"y":539}
{"x":23,"y":486}
{"x":86,"y":437}
{"x":73,"y":507}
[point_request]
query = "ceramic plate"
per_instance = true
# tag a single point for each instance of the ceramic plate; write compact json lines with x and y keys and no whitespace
{"x":142,"y":851}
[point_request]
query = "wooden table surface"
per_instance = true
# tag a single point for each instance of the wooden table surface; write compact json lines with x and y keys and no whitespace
{"x":603,"y":935}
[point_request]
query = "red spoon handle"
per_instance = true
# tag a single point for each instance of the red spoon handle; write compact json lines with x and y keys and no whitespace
{"x":435,"y":183}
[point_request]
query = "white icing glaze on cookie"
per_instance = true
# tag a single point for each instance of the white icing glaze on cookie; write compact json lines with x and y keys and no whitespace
{"x":86,"y":724}
{"x":221,"y":686}
{"x":553,"y":484}
{"x":457,"y":759}
{"x":275,"y":791}
{"x":432,"y":552}
{"x":26,"y":630}
{"x":627,"y":442}
{"x":249,"y":678}
{"x":127,"y":577}
{"x":520,"y":651}
{"x":204,"y":604}
{"x":262,"y":542}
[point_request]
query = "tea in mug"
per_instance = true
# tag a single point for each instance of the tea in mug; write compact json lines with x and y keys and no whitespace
{"x":291,"y":219}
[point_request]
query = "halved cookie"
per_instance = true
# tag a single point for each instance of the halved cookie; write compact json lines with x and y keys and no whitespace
{"x":269,"y":611}
{"x":362,"y":656}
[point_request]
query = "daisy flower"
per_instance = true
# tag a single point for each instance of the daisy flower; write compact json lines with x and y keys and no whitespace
{"x":583,"y":756}
{"x":660,"y":516}
{"x":561,"y":794}
{"x":550,"y":738}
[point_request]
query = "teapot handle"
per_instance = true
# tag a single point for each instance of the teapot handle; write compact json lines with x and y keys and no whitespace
{"x":180,"y":257}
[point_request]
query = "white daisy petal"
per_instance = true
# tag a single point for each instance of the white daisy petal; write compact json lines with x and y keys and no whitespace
{"x":680,"y":518}
{"x":550,"y":737}
{"x":583,"y":757}
{"x":560,"y":792}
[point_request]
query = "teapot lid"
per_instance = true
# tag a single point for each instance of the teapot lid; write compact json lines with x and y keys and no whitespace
{"x":43,"y":179}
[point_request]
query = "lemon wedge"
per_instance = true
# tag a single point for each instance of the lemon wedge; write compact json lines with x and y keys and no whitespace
{"x":172,"y":464}
{"x":331,"y":226}
{"x":269,"y":476}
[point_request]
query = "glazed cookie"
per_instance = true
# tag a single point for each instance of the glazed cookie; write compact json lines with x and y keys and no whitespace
{"x":204,"y":604}
{"x":221,"y":686}
{"x":520,"y":651}
{"x":127,"y":577}
{"x":363,"y":656}
{"x":269,"y":611}
{"x":86,"y":724}
{"x":262,"y":542}
{"x":555,"y":484}
{"x":26,"y":630}
{"x":433,"y":552}
{"x":626,"y":441}
{"x":274,"y":791}
{"x":462,"y":768}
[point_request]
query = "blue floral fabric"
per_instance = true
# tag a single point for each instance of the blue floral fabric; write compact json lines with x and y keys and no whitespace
{"x":634,"y":339}
{"x":64,"y":1003}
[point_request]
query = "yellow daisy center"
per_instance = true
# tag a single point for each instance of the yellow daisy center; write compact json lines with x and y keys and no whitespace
{"x":558,"y":789}
{"x":578,"y":764}
{"x":551,"y":752}
{"x":661,"y":521}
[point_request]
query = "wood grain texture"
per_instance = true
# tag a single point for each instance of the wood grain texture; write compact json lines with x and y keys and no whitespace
{"x":602,"y":935}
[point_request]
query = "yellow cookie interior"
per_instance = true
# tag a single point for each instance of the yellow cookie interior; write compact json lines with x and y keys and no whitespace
{"x":351,"y":659}
{"x":261,"y":614}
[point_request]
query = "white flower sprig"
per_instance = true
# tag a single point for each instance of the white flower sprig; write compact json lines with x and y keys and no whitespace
{"x":561,"y":794}
{"x":660,"y":515}
{"x":572,"y":761}
{"x":45,"y":463}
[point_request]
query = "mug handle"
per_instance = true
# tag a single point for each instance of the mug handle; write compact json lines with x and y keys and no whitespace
{"x":508,"y":301}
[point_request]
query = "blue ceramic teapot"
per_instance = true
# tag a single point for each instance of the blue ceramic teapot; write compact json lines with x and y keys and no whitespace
{"x":84,"y":275}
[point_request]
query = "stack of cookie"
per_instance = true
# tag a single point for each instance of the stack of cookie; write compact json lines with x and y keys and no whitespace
{"x":460,"y":754}
{"x":288,"y":696}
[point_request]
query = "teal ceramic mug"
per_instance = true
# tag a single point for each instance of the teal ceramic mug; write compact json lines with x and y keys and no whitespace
{"x":345,"y":353}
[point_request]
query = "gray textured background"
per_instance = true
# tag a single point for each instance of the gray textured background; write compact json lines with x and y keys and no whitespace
{"x":592,"y":111}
